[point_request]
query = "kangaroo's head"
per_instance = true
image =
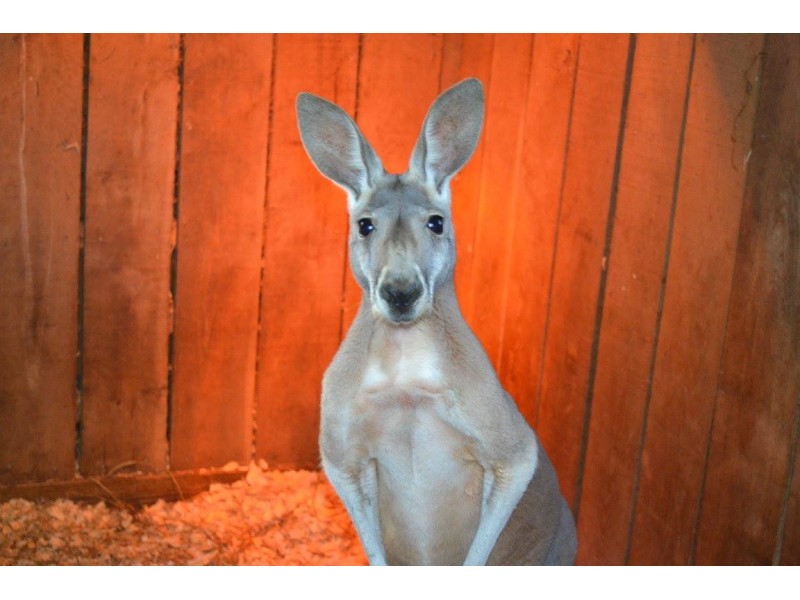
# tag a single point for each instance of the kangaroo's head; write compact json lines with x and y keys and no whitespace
{"x":402,"y":246}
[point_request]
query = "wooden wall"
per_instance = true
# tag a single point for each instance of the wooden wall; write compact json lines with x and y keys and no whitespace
{"x":173,"y":275}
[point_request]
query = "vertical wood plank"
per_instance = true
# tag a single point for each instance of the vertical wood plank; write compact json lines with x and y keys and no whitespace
{"x":653,"y":128}
{"x":398,"y":80}
{"x":752,"y":436}
{"x":578,"y":262}
{"x":552,"y":83}
{"x":305,"y":254}
{"x":129,"y":191}
{"x":40,"y":155}
{"x":506,"y":99}
{"x":716,"y":141}
{"x":466,"y":55}
{"x":220,"y":226}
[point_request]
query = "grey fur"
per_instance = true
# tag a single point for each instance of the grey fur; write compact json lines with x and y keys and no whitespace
{"x":429,"y":454}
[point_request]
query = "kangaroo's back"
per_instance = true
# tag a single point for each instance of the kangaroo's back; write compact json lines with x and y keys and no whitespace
{"x":541,"y":530}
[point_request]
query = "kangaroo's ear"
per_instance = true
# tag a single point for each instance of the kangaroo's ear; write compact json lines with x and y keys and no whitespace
{"x":336,"y":146}
{"x":449,"y":134}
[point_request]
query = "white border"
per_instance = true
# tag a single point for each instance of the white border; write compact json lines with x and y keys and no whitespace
{"x":351,"y":16}
{"x":354,"y":583}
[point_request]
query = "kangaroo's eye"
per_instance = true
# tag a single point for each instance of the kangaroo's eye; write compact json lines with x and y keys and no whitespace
{"x":436,"y":224}
{"x":365,"y":227}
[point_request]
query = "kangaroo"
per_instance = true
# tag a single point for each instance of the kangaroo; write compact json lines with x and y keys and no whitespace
{"x":429,"y":454}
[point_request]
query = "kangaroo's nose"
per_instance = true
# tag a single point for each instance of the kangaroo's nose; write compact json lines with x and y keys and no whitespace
{"x":401,"y":295}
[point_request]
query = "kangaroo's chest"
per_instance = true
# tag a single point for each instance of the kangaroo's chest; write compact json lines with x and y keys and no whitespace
{"x":429,"y":484}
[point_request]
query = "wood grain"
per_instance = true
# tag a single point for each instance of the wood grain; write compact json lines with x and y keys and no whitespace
{"x":541,"y":172}
{"x":129,"y":191}
{"x":653,"y":128}
{"x":398,"y":79}
{"x":305,"y":254}
{"x":40,"y":149}
{"x":713,"y":166}
{"x":226,"y":99}
{"x":752,"y":437}
{"x":790,"y":536}
{"x":500,"y":198}
{"x":578,"y":262}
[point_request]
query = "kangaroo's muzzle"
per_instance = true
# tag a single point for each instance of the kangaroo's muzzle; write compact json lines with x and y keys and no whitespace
{"x":400,"y":297}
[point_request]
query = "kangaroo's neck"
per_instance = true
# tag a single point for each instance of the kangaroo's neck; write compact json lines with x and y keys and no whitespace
{"x":446,"y":309}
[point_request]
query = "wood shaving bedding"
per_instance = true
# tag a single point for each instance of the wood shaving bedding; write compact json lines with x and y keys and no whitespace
{"x":267,"y":518}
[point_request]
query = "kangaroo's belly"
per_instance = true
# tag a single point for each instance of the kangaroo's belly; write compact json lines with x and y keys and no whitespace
{"x":429,"y":484}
